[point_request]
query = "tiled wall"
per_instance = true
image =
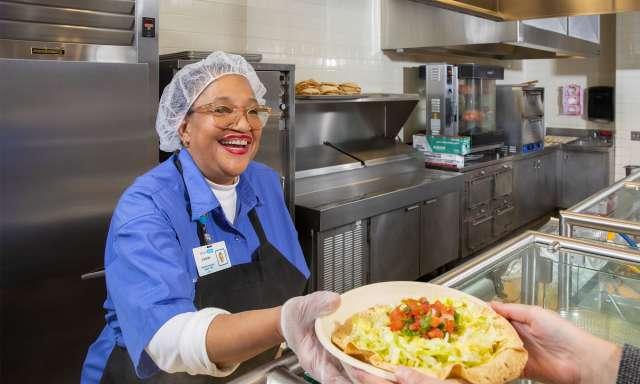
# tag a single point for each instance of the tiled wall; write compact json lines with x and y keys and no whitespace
{"x":202,"y":25}
{"x":553,"y":74}
{"x":627,"y":90}
{"x":339,"y":40}
{"x":331,"y":40}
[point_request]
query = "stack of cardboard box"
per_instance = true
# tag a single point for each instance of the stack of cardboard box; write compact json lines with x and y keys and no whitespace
{"x":443,"y":151}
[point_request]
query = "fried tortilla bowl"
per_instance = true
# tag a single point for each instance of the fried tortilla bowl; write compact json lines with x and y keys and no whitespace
{"x":309,"y":92}
{"x":506,"y":363}
{"x":309,"y":83}
{"x":350,"y":88}
{"x":329,"y":90}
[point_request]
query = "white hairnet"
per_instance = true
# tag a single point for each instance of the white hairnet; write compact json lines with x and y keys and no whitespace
{"x":186,"y":86}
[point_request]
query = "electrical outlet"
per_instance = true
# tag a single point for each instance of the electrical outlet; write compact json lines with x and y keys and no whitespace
{"x":635,"y":135}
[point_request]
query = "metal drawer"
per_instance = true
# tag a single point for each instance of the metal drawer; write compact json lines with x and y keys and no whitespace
{"x":502,"y":202}
{"x":479,"y":210}
{"x":503,"y":182}
{"x":503,"y":221}
{"x":479,"y":232}
{"x":479,"y":192}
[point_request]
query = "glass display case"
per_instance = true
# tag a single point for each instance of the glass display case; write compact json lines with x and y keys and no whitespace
{"x":615,"y":211}
{"x":552,"y":227}
{"x":594,"y":285}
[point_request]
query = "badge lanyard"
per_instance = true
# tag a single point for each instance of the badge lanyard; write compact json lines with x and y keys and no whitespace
{"x":209,"y":257}
{"x":204,"y":237}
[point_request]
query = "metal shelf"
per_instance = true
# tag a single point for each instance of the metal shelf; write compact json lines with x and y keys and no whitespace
{"x":366,"y":98}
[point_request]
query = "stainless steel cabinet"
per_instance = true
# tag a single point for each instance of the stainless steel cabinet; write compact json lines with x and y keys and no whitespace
{"x":414,"y":241}
{"x":439,"y":232}
{"x":548,"y":173}
{"x":583,"y":174}
{"x":488,"y":206}
{"x":523,"y":180}
{"x":534,"y":187}
{"x":395,"y":245}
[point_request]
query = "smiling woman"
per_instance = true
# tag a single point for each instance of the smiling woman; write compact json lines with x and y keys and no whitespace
{"x":222,"y":130}
{"x":202,"y":260}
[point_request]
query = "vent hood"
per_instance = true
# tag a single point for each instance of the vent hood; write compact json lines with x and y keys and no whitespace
{"x":508,"y":10}
{"x":413,"y":27}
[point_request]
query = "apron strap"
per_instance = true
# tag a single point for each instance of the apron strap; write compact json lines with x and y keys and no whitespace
{"x":255,"y":222}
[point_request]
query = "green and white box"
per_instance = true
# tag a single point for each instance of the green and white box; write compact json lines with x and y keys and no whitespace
{"x":458,"y":145}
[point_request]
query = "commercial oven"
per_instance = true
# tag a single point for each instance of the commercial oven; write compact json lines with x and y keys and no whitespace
{"x":76,"y":128}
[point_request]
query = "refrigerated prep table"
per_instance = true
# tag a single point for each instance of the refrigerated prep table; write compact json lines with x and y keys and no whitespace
{"x":595,"y":285}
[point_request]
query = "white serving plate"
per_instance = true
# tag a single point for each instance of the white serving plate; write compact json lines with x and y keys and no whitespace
{"x":365,"y":297}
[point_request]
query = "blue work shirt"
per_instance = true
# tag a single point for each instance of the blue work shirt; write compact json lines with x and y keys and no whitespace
{"x":149,"y":265}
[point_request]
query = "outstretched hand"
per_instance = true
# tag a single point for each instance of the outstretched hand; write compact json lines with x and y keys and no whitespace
{"x":560,"y":352}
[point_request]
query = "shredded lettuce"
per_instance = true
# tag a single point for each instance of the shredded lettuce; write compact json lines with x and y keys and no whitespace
{"x":474,"y":342}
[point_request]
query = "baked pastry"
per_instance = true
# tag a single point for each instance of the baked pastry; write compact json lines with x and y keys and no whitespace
{"x":350,"y":88}
{"x":309,"y":92}
{"x":305,"y":84}
{"x":328,"y":89}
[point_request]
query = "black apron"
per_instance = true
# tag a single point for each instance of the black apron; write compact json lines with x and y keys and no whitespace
{"x":268,"y":281}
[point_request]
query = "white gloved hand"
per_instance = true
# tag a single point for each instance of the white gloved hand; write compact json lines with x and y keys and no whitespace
{"x":297,"y":327}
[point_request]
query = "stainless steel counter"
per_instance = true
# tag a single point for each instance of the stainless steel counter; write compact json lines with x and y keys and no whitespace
{"x":579,"y":145}
{"x":588,"y":145}
{"x":328,"y":201}
{"x":473,"y":165}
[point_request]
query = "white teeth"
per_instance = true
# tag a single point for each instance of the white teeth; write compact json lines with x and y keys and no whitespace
{"x":235,"y":142}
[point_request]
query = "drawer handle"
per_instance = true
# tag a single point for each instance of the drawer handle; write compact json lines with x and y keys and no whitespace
{"x":506,"y":166}
{"x":411,"y":208}
{"x":480,"y":222}
{"x":483,"y":173}
{"x":430,"y":201}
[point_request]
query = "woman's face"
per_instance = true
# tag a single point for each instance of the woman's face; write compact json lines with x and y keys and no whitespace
{"x":222,"y":152}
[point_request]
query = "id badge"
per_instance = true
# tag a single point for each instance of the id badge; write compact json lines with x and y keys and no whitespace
{"x":211,"y":258}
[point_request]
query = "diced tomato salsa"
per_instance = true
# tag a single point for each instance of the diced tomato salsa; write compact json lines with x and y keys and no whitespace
{"x":420,"y":318}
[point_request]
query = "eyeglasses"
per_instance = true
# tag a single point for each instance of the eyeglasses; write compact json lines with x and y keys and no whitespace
{"x":225,"y":115}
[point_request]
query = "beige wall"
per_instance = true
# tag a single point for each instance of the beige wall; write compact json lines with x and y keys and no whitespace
{"x":627,"y":90}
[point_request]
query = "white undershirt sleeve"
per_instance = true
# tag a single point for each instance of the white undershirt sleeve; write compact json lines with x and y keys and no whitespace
{"x":180,"y":345}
